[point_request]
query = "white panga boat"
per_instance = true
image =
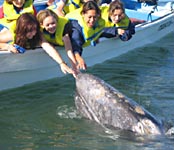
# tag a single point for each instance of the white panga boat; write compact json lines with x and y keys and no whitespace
{"x":35,"y":65}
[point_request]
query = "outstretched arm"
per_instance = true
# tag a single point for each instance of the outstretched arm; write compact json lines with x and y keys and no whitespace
{"x":51,"y":51}
{"x":77,"y":45}
{"x":81,"y":61}
{"x":60,"y":6}
{"x":5,"y":37}
{"x":68,"y":48}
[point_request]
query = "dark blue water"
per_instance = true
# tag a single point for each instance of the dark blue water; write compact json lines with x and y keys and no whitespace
{"x":42,"y":116}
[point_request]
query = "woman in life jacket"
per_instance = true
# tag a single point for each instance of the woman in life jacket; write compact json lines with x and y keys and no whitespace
{"x":115,"y":17}
{"x":56,"y":30}
{"x":12,"y":9}
{"x":87,"y":28}
{"x":25,"y":33}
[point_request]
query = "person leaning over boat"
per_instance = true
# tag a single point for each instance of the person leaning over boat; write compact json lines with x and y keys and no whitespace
{"x":115,"y":16}
{"x":87,"y":28}
{"x":25,"y":32}
{"x":56,"y":30}
{"x":63,"y":7}
{"x":12,"y":9}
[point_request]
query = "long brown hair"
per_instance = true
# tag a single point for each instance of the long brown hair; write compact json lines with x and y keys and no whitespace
{"x":26,"y":23}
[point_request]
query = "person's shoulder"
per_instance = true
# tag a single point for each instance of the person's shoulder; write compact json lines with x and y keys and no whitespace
{"x":74,"y":22}
{"x":75,"y":25}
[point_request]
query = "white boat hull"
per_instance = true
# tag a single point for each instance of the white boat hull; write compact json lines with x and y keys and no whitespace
{"x":35,"y":65}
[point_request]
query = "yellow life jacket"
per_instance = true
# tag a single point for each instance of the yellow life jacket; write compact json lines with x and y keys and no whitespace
{"x":57,"y":37}
{"x":11,"y":26}
{"x":53,"y":7}
{"x":70,"y":6}
{"x":90,"y":34}
{"x":10,"y":12}
{"x":124,"y":23}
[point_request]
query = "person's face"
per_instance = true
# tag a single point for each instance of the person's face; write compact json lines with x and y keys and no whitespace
{"x":31,"y":33}
{"x":117,"y":16}
{"x":90,"y":17}
{"x":18,"y":3}
{"x":50,"y":23}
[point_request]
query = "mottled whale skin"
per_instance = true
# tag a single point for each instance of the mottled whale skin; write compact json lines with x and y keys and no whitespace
{"x":99,"y":101}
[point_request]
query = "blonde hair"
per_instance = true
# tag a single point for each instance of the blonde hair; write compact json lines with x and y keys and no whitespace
{"x":42,"y":14}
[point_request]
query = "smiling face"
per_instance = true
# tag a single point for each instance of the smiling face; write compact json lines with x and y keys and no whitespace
{"x":90,"y":17}
{"x":50,"y":23}
{"x":18,"y":3}
{"x":31,"y":32}
{"x":117,"y":16}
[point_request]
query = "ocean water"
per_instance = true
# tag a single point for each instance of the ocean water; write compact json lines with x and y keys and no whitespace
{"x":42,"y":116}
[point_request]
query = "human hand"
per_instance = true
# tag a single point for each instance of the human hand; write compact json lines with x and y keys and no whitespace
{"x":120,"y":31}
{"x":19,"y":48}
{"x":75,"y":69}
{"x":81,"y":63}
{"x":11,"y":48}
{"x":65,"y":69}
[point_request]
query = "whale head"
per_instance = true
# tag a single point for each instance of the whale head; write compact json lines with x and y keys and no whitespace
{"x":97,"y":100}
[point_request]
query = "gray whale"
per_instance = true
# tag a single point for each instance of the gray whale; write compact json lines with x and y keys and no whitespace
{"x":99,"y":101}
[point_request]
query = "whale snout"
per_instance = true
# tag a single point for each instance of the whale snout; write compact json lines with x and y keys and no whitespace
{"x":146,"y":127}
